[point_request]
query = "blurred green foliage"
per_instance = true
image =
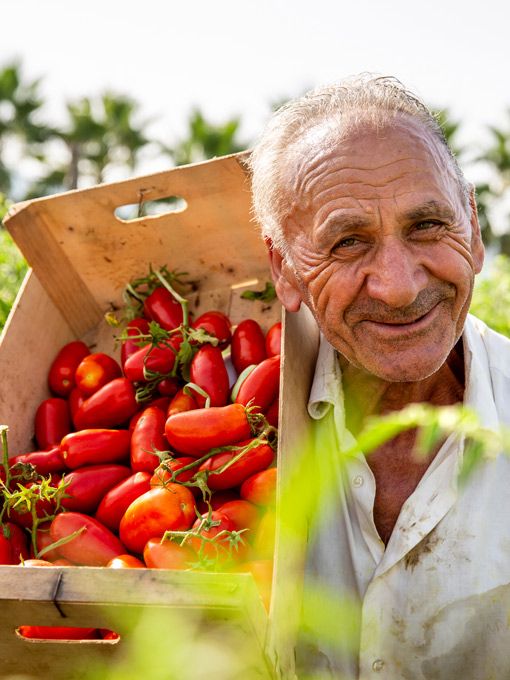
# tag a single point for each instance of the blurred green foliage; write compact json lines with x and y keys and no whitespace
{"x":12,"y":267}
{"x":491,"y":297}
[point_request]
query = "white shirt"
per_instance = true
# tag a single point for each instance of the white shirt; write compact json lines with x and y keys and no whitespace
{"x":435,"y":603}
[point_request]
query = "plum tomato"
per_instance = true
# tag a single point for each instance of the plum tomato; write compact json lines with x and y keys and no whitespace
{"x":209,"y":372}
{"x":216,"y":324}
{"x":130,"y":346}
{"x":45,"y":462}
{"x":95,"y":445}
{"x":273,"y":341}
{"x":125,"y":562}
{"x":94,"y":546}
{"x":260,"y":387}
{"x":209,"y":530}
{"x":255,"y":459}
{"x":170,"y":508}
{"x":244,"y":515}
{"x":159,"y":359}
{"x":198,"y":431}
{"x":162,"y":307}
{"x":117,"y":500}
{"x":111,"y":405}
{"x":158,"y":554}
{"x":218,"y":498}
{"x":88,"y":485}
{"x":181,"y":402}
{"x":260,"y":488}
{"x":52,"y":422}
{"x":94,"y":371}
{"x":248,"y":345}
{"x":61,"y":374}
{"x":148,"y":435}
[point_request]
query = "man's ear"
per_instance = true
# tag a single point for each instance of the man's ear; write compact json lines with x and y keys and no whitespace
{"x":477,"y":249}
{"x":284,"y":279}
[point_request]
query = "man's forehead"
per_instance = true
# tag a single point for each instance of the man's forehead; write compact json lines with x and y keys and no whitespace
{"x":366,"y":156}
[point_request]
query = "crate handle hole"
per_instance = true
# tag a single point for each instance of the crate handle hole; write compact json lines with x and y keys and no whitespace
{"x":167,"y":205}
{"x":57,"y":634}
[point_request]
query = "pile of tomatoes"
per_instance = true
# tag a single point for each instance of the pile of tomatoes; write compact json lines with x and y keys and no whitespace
{"x":164,"y":460}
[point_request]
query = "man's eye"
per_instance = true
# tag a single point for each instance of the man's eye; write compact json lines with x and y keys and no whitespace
{"x":346,"y":242}
{"x":427,"y":224}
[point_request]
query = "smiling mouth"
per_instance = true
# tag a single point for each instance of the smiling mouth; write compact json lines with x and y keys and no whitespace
{"x":400,"y":326}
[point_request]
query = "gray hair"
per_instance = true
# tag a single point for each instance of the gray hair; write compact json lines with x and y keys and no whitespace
{"x":344,"y":105}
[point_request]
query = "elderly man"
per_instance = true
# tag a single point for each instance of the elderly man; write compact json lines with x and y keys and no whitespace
{"x":371,"y":224}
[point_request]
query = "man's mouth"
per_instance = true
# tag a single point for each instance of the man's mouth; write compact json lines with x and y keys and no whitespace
{"x":392,"y":326}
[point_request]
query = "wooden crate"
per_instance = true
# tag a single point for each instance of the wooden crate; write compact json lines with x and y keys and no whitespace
{"x":81,"y":256}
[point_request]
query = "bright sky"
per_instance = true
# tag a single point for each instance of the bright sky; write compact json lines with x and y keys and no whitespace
{"x":237,"y":57}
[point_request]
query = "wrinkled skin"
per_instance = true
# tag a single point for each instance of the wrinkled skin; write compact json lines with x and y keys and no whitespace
{"x":381,"y":249}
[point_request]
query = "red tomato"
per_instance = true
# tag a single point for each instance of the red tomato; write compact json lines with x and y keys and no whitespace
{"x":148,"y":435}
{"x":244,"y":515}
{"x":272,"y":413}
{"x":197,"y":432}
{"x":248,"y":345}
{"x":169,"y":387}
{"x":260,"y":488}
{"x":216,"y":324}
{"x":111,"y":405}
{"x":159,"y":510}
{"x":181,"y":402}
{"x":221,"y":548}
{"x":158,"y":554}
{"x":76,"y":399}
{"x":52,"y":422}
{"x":161,"y":306}
{"x":88,"y":447}
{"x":18,"y":540}
{"x":95,"y":371}
{"x":22,"y":515}
{"x":263,"y":543}
{"x":61,"y":374}
{"x":254,"y":460}
{"x":6,"y":556}
{"x":62,"y":562}
{"x":89,"y":484}
{"x":130,"y":346}
{"x":218,"y":498}
{"x":45,"y":462}
{"x":163,"y":473}
{"x":43,"y":540}
{"x":36,"y":563}
{"x":209,"y":372}
{"x":160,"y":402}
{"x":159,"y":360}
{"x":261,"y":386}
{"x":273,"y":342}
{"x":125,"y":562}
{"x":95,"y":546}
{"x":116,"y":501}
{"x":262,"y":571}
{"x":58,"y":633}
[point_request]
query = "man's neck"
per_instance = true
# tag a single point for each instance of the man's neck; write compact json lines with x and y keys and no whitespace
{"x":367,"y":395}
{"x":396,"y":468}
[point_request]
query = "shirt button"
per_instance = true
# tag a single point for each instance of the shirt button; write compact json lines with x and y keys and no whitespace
{"x":378,"y":665}
{"x":358,"y":481}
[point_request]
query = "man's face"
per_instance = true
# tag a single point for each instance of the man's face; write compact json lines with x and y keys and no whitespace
{"x":381,"y":249}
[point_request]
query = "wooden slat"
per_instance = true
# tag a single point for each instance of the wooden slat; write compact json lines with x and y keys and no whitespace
{"x":222,"y":610}
{"x":300,"y":347}
{"x":84,"y":255}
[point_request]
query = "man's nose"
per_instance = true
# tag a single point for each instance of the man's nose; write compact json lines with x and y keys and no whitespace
{"x":395,"y":275}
